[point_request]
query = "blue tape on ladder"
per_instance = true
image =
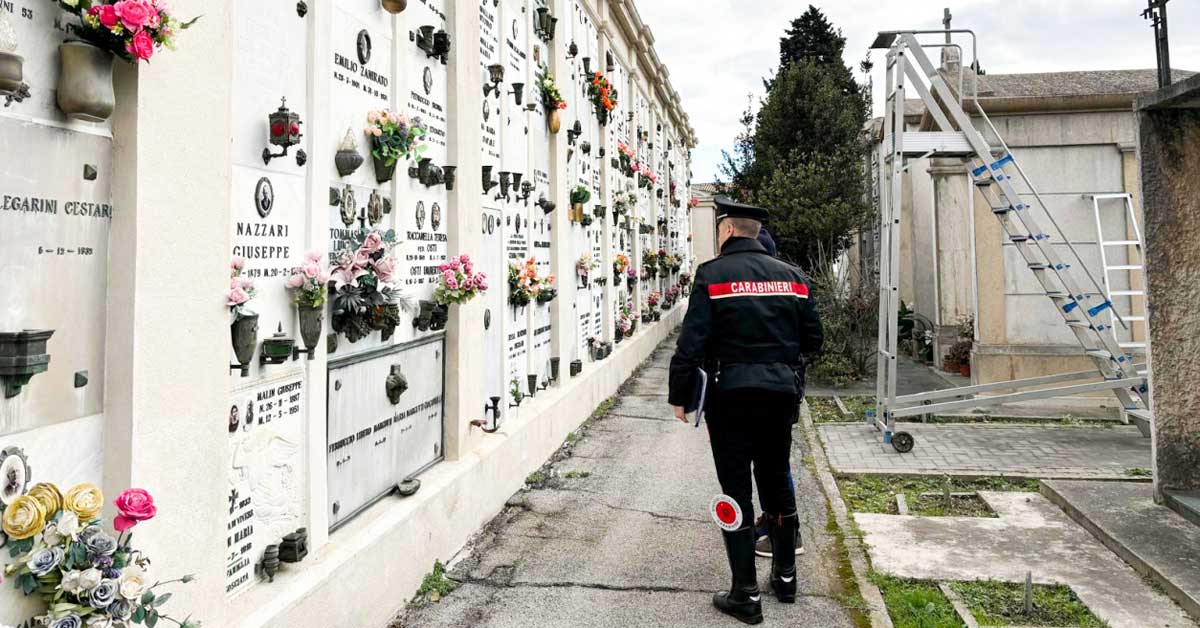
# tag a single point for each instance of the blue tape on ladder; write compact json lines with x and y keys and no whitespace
{"x":1122,"y":358}
{"x":1100,"y":308}
{"x":1000,"y":164}
{"x":1070,"y":306}
{"x":980,"y":170}
{"x":1059,"y":266}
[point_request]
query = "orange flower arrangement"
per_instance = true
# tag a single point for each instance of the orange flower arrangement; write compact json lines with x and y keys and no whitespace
{"x":603,"y":96}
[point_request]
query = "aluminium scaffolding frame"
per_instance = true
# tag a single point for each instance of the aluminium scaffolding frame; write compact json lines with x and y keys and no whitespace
{"x":1077,"y":295}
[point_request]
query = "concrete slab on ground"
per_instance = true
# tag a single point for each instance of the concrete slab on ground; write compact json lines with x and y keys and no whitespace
{"x":1030,"y":534}
{"x":1109,"y":452}
{"x":1156,"y":540}
{"x":626,"y":540}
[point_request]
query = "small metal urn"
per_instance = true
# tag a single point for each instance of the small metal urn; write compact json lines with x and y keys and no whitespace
{"x":269,"y":566}
{"x":294,"y":546}
{"x":488,"y":181}
{"x":554,"y":363}
{"x":533,"y":384}
{"x":576,"y":367}
{"x":394,"y":6}
{"x":276,"y":349}
{"x":347,"y":159}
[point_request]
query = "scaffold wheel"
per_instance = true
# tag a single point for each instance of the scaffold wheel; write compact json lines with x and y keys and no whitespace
{"x":903,"y":442}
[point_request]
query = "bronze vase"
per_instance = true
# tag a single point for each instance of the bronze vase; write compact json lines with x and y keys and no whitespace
{"x":394,"y":6}
{"x":384,"y":172}
{"x":310,"y":326}
{"x":85,"y":81}
{"x":244,"y":333}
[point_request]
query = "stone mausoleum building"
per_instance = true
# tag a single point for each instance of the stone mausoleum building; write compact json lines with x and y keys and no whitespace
{"x":118,"y":231}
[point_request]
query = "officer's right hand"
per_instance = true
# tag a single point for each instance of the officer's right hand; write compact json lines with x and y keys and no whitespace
{"x":680,"y":414}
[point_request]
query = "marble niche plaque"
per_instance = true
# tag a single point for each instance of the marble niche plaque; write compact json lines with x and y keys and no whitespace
{"x":375,"y":444}
{"x":266,"y":479}
{"x":54,"y":228}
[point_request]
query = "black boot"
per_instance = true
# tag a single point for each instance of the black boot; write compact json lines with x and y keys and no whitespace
{"x":782,"y":531}
{"x":742,"y":600}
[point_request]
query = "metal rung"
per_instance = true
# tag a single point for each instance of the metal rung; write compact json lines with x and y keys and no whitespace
{"x":1121,"y":243}
{"x":1019,"y":238}
{"x":1037,"y":266}
{"x":1128,"y":293}
{"x":1058,"y":295}
{"x":1080,"y":324}
{"x":1133,"y":345}
{"x":1099,"y":353}
{"x":1124,"y":267}
{"x":1134,"y":318}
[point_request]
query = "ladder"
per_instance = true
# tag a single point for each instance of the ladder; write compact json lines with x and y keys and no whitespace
{"x":1081,"y":300}
{"x":1131,"y":269}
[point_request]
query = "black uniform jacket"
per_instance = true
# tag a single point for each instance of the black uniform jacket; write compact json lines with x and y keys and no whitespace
{"x":749,"y":323}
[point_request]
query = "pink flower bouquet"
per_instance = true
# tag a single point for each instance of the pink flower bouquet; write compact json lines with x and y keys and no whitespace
{"x":458,"y":281}
{"x":134,"y":30}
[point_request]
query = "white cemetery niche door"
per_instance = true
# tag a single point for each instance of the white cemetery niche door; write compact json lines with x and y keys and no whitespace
{"x":363,"y":79}
{"x":266,"y":474}
{"x":423,"y":218}
{"x":267,"y":417}
{"x":515,"y":162}
{"x":540,"y":227}
{"x":55,"y":213}
{"x":385,"y":424}
{"x":491,"y":257}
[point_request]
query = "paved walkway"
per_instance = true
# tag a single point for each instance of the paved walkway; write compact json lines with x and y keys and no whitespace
{"x":1013,"y":450}
{"x":631,"y":544}
{"x":1030,"y":535}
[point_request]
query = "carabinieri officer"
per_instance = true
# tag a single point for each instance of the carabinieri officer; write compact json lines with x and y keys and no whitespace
{"x":749,"y":321}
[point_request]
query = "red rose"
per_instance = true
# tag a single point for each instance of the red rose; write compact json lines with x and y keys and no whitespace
{"x":107,"y":14}
{"x":134,"y":505}
{"x":141,"y":46}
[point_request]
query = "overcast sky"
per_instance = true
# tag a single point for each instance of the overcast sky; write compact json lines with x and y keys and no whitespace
{"x":718,"y":51}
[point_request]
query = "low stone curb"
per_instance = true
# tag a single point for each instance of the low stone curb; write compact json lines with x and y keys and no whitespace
{"x":858,"y":557}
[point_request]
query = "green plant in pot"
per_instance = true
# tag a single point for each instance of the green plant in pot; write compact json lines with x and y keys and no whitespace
{"x":309,"y":284}
{"x":244,"y":324}
{"x":130,"y":30}
{"x":579,"y":196}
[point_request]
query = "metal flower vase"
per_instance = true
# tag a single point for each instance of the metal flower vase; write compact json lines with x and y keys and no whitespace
{"x":311,"y":320}
{"x":384,"y":172}
{"x":394,"y":6}
{"x":554,"y":121}
{"x":85,"y":81}
{"x":244,"y":333}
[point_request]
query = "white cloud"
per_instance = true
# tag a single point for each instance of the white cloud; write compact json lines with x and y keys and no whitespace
{"x":718,"y":51}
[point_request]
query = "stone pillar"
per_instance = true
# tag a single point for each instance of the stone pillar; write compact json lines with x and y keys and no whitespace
{"x":464,"y":353}
{"x":1169,"y":138}
{"x":563,"y":315}
{"x":168,"y":339}
{"x":952,"y":247}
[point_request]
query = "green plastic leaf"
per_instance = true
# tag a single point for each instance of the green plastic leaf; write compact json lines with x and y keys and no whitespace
{"x":147,"y":597}
{"x":139,"y":614}
{"x":162,"y":599}
{"x":151,"y":619}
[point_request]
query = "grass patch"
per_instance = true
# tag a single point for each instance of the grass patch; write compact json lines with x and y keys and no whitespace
{"x":537,"y":477}
{"x":603,"y":409}
{"x":1138,"y":472}
{"x":960,"y":505}
{"x":988,"y":419}
{"x":858,"y":406}
{"x":877,"y":493}
{"x":916,"y":604}
{"x":825,"y":410}
{"x":436,"y":585}
{"x":578,"y":475}
{"x":1003,"y":604}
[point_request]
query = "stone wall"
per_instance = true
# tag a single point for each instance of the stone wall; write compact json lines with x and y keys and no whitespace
{"x":1169,"y":145}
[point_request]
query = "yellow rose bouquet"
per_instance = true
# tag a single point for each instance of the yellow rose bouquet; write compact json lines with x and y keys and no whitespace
{"x":86,"y":576}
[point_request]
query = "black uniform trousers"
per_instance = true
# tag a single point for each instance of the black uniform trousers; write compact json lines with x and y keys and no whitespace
{"x":752,"y":429}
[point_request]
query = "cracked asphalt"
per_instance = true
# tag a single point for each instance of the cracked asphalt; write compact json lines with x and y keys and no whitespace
{"x":631,"y":544}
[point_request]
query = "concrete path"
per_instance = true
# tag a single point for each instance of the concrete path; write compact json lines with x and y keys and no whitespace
{"x":972,"y":449}
{"x":631,"y":544}
{"x":1155,"y":539}
{"x":1031,"y":534}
